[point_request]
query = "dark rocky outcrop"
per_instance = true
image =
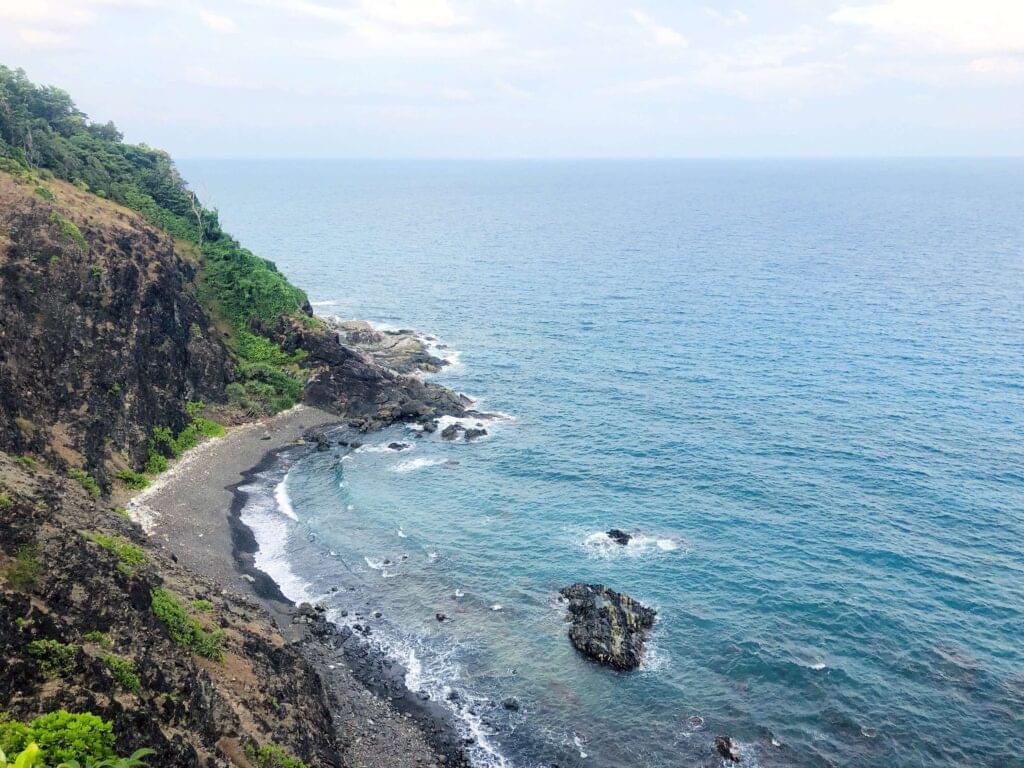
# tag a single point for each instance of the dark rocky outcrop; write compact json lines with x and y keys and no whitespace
{"x":727,"y":747}
{"x":607,"y":626}
{"x":619,"y":537}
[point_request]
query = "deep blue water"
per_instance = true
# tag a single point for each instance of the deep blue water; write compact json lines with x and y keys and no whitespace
{"x":802,"y":382}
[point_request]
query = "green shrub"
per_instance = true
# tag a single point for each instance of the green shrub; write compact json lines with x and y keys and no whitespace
{"x":203,"y":606}
{"x":96,"y":271}
{"x":45,"y":193}
{"x":87,"y":482}
{"x":124,"y":672}
{"x":184,"y":629}
{"x":69,"y":231}
{"x":54,"y":657}
{"x":26,"y":568}
{"x":27,"y":461}
{"x":6,"y":503}
{"x":272,"y":756}
{"x":209,"y":427}
{"x":127,"y":553}
{"x":95,"y":636}
{"x":156,"y":462}
{"x":134,"y":480}
{"x":61,"y":737}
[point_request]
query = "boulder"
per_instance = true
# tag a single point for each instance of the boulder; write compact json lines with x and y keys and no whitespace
{"x":452,"y":431}
{"x":607,"y":626}
{"x":728,"y":748}
{"x":474,"y":432}
{"x":619,"y":537}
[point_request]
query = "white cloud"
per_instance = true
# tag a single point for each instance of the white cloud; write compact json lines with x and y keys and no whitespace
{"x":456,"y":94}
{"x":728,"y":18}
{"x":412,"y":13}
{"x":216,"y":22}
{"x":44,"y":38}
{"x":998,"y":67}
{"x":946,"y":26}
{"x":661,"y":34}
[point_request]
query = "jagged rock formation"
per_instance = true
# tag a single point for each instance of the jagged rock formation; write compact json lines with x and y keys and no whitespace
{"x":607,"y":626}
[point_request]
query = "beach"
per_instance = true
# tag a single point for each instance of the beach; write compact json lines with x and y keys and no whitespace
{"x":191,"y":512}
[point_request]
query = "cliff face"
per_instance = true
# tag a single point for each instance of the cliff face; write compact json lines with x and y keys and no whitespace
{"x":102,"y":337}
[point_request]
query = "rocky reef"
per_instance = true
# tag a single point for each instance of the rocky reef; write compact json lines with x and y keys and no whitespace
{"x":607,"y":626}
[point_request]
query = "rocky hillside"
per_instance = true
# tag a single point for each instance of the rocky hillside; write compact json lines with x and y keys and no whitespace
{"x":131,"y":326}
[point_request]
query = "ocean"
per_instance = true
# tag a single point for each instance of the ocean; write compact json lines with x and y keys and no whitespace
{"x":800,"y":384}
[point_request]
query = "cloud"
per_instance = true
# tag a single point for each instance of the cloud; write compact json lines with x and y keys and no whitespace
{"x":456,"y":94}
{"x":661,"y":34}
{"x":728,"y":18}
{"x":216,"y":22}
{"x":943,"y":26}
{"x":412,"y":13}
{"x":44,"y":38}
{"x":998,"y":67}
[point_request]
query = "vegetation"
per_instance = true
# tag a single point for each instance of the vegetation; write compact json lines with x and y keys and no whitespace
{"x":41,"y":130}
{"x":95,"y":636}
{"x":124,"y":672}
{"x":27,"y":461}
{"x":271,"y":756}
{"x":202,"y":606}
{"x":53,"y":657}
{"x":6,"y":503}
{"x":26,"y":569}
{"x":60,"y":737}
{"x":134,"y":480}
{"x":185,"y":629}
{"x":128,"y":555}
{"x":87,"y":482}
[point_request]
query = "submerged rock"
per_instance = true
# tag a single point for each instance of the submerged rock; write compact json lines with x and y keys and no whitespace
{"x":398,"y":446}
{"x":619,"y":537}
{"x":607,"y":626}
{"x":452,"y":431}
{"x":473,"y":433}
{"x":511,"y":704}
{"x":728,"y":748}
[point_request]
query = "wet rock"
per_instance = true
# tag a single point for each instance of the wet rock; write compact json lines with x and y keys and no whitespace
{"x":728,"y":748}
{"x":452,"y":431}
{"x":473,"y":433}
{"x":607,"y":626}
{"x":511,"y":704}
{"x":398,"y":446}
{"x":440,"y":616}
{"x":619,"y":536}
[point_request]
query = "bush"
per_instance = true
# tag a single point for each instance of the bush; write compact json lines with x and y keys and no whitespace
{"x":124,"y":672}
{"x":272,"y":756}
{"x":156,"y":461}
{"x":26,"y":568}
{"x":69,"y":231}
{"x":87,"y":482}
{"x":27,"y":461}
{"x":61,"y":736}
{"x":134,"y":480}
{"x":184,"y":629}
{"x":53,"y":657}
{"x":95,"y":636}
{"x":45,"y":193}
{"x":127,"y":553}
{"x":6,"y":504}
{"x":203,"y":606}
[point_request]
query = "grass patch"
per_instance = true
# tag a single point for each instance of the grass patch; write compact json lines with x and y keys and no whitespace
{"x":134,"y":480}
{"x":45,"y":193}
{"x":124,"y":672}
{"x":26,"y":568}
{"x":272,"y":756}
{"x":6,"y":503}
{"x":54,"y":658}
{"x":86,"y":481}
{"x":27,"y":461}
{"x":69,"y":231}
{"x":100,"y":638}
{"x":185,"y":629}
{"x":127,"y":554}
{"x":202,"y":606}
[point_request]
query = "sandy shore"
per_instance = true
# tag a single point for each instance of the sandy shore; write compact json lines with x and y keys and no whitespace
{"x":191,"y":512}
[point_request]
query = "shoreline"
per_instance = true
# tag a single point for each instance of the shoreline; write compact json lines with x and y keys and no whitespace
{"x":194,"y":512}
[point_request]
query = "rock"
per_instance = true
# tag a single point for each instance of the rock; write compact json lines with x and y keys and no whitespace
{"x":727,"y":748}
{"x":398,"y":446}
{"x":607,"y":626}
{"x":511,"y":704}
{"x":619,"y":537}
{"x":473,"y":433}
{"x":266,"y":435}
{"x":440,"y":616}
{"x":452,"y":431}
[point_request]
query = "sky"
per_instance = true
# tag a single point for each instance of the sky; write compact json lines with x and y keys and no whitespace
{"x":536,"y":78}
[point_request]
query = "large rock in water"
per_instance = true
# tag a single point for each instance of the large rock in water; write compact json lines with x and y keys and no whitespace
{"x":608,"y":626}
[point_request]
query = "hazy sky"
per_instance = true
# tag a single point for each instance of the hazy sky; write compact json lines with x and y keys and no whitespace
{"x":524,"y":78}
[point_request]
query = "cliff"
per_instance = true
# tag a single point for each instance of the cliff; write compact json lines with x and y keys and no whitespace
{"x":131,"y":326}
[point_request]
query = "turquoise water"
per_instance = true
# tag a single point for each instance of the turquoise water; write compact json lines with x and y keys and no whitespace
{"x":802,"y":383}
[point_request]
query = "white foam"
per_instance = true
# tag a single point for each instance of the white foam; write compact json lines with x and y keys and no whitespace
{"x":383,"y":448}
{"x":284,"y":503}
{"x":578,"y":742}
{"x":411,"y":465}
{"x":271,"y":532}
{"x":402,"y":534}
{"x":600,"y":544}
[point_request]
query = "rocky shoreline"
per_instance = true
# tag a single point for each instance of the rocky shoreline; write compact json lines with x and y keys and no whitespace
{"x":329,"y":646}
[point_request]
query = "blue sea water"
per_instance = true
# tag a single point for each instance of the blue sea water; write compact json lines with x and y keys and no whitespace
{"x":800,"y":383}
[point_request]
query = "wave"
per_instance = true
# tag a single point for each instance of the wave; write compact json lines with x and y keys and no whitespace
{"x":411,"y":465}
{"x":384,"y":448}
{"x":600,"y":544}
{"x":284,"y":502}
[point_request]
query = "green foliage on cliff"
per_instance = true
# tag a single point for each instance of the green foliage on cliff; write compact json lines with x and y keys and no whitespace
{"x":272,"y":756}
{"x":124,"y":672}
{"x":26,"y":569}
{"x":61,"y":736}
{"x":54,"y":657}
{"x":88,"y":483}
{"x":128,"y":555}
{"x":42,"y":129}
{"x":184,"y":629}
